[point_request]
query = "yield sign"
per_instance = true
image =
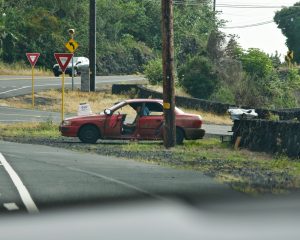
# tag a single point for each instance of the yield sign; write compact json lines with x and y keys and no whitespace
{"x":32,"y":58}
{"x":63,"y":59}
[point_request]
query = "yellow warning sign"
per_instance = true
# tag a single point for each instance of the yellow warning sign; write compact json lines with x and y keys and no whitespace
{"x":167,"y":106}
{"x":72,"y":45}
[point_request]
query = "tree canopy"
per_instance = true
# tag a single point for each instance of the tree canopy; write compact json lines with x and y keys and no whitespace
{"x":288,"y":20}
{"x":128,"y":31}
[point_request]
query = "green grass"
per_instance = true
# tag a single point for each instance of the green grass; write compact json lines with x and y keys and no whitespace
{"x":33,"y":130}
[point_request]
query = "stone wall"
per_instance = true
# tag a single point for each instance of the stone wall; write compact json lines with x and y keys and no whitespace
{"x":281,"y":137}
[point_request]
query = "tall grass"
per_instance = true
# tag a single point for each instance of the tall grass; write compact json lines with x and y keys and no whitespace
{"x":22,"y":68}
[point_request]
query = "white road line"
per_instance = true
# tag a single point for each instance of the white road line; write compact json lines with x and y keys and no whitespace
{"x":22,"y":115}
{"x":26,"y":78}
{"x":16,"y":89}
{"x":16,"y":120}
{"x":11,"y":206}
{"x":45,"y":85}
{"x":124,"y":184}
{"x":24,"y":194}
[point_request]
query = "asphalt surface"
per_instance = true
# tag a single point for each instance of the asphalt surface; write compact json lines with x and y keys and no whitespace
{"x":11,"y":86}
{"x":56,"y":177}
{"x":14,"y":115}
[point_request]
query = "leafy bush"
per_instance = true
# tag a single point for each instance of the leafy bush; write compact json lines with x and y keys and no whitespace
{"x":257,"y":63}
{"x":198,"y":77}
{"x":153,"y":71}
{"x":223,"y":94}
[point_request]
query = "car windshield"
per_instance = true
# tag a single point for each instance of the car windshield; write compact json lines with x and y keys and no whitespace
{"x":228,"y":68}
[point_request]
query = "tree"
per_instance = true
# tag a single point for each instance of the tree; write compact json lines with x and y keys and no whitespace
{"x":214,"y":45}
{"x":233,"y":49}
{"x":288,"y":20}
{"x":257,"y":63}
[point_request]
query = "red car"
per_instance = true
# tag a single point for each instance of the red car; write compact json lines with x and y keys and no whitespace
{"x":140,"y":119}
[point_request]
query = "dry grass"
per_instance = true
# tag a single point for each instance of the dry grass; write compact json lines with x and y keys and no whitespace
{"x":51,"y":101}
{"x":211,"y":117}
{"x":22,"y":69}
{"x":159,"y":88}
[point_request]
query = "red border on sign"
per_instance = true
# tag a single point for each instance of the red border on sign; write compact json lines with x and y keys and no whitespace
{"x":58,"y":57}
{"x":33,"y":62}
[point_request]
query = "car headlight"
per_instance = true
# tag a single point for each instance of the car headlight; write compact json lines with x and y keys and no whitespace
{"x":66,"y":123}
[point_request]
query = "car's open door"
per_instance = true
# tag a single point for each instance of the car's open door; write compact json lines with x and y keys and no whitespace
{"x":113,"y":126}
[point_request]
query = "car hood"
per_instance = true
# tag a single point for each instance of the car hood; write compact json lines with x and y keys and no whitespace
{"x":87,"y":117}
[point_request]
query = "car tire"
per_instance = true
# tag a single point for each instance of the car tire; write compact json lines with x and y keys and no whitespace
{"x":89,"y":134}
{"x":179,"y":136}
{"x":56,"y":74}
{"x":75,"y":73}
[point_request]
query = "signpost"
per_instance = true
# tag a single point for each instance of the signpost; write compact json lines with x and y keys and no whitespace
{"x":72,"y":45}
{"x":168,"y":73}
{"x":289,"y":57}
{"x":32,"y":58}
{"x":63,"y":59}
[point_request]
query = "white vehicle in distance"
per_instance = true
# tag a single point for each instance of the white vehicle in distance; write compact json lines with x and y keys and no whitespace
{"x":78,"y":62}
{"x":239,"y":113}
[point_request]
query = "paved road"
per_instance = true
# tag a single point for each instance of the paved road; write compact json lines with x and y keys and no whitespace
{"x":34,"y":177}
{"x":13,"y":115}
{"x":11,"y":86}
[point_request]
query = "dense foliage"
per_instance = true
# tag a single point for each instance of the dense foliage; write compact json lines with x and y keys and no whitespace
{"x":198,"y":77}
{"x":209,"y":64}
{"x":128,"y":31}
{"x":288,"y":20}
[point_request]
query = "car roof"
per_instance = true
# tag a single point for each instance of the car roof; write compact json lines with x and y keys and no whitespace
{"x":141,"y":100}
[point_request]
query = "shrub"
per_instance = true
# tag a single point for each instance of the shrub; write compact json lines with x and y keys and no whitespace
{"x":198,"y":77}
{"x":153,"y":71}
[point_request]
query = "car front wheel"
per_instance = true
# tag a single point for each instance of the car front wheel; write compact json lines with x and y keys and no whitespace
{"x":56,"y":74}
{"x":89,"y":134}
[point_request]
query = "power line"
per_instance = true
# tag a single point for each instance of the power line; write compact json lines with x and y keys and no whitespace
{"x":228,"y":5}
{"x":250,"y":25}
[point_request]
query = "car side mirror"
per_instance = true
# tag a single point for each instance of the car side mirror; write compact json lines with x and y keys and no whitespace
{"x":107,"y":112}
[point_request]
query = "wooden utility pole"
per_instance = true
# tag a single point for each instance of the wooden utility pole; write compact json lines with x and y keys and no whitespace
{"x":92,"y":45}
{"x":214,"y":7}
{"x":168,"y":73}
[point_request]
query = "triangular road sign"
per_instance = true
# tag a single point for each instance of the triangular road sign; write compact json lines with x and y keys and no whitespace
{"x":63,"y":59}
{"x":32,"y":58}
